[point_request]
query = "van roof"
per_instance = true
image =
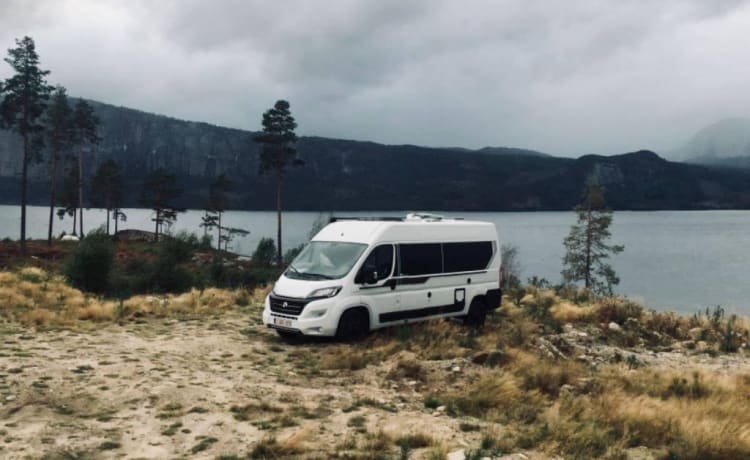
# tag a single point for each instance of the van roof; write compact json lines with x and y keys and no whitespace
{"x":410,"y":229}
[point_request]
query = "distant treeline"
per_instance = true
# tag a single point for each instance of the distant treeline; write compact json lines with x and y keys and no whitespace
{"x":351,"y":175}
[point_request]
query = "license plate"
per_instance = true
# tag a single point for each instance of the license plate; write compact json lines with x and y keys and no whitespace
{"x":282,"y":322}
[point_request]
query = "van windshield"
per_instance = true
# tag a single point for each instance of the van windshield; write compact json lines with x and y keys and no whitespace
{"x":325,"y":260}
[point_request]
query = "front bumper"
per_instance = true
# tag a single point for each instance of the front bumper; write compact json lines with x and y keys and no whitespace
{"x":309,"y":322}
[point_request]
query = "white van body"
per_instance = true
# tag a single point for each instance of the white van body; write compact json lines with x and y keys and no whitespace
{"x":390,"y":271}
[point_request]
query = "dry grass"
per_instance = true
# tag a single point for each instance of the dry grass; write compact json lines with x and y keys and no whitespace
{"x":556,"y":405}
{"x":32,"y":296}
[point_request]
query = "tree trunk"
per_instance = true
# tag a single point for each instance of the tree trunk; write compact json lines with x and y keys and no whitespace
{"x":588,"y":249}
{"x":24,"y":174}
{"x":278,"y":219}
{"x":218,"y":229}
{"x":107,"y":220}
{"x":80,"y":191}
{"x":52,"y":184}
{"x":75,"y":220}
{"x":117,"y":218}
{"x":156,"y":227}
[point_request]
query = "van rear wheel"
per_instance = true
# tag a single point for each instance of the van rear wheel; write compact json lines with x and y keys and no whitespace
{"x":353,"y":325}
{"x":477,"y":313}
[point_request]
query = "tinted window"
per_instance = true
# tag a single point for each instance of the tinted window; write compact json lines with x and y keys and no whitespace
{"x":380,"y":260}
{"x":464,"y":257}
{"x":420,"y":259}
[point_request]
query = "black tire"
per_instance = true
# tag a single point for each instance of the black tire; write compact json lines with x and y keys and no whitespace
{"x":353,"y":325}
{"x":477,"y":313}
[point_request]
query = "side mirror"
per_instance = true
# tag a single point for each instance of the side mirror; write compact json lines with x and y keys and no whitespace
{"x":371,"y":277}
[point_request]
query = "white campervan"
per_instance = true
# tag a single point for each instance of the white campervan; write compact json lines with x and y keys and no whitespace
{"x":356,"y":275}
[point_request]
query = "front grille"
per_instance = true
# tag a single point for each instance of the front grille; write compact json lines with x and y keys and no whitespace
{"x":287,"y":305}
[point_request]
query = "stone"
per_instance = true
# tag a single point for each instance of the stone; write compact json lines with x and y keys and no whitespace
{"x":456,"y":369}
{"x":614,"y":327}
{"x":10,"y":398}
{"x":456,"y":455}
{"x":480,"y":358}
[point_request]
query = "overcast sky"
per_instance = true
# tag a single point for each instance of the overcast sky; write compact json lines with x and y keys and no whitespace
{"x":564,"y":77}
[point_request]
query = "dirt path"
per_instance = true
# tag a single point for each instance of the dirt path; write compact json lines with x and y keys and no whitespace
{"x":203,"y":388}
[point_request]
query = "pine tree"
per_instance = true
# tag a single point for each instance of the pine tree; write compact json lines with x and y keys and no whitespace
{"x":106,"y":187}
{"x":277,"y":142}
{"x":24,"y":100}
{"x":586,"y":247}
{"x":159,"y":192}
{"x":215,"y":205}
{"x":59,"y":135}
{"x":85,"y":125}
{"x":67,"y":199}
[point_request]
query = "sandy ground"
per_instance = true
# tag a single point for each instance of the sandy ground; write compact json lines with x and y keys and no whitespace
{"x":203,"y":388}
{"x":198,"y":388}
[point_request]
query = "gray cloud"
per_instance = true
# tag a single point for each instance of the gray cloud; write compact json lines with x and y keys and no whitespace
{"x":568,"y":77}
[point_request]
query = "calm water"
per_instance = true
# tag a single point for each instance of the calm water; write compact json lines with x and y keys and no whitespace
{"x":676,"y":260}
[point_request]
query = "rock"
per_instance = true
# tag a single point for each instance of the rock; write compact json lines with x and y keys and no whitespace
{"x":492,"y":358}
{"x":639,"y":453}
{"x":456,"y":369}
{"x":480,"y":358}
{"x":10,"y":398}
{"x":550,"y":350}
{"x":696,"y":333}
{"x":411,"y":383}
{"x":568,"y":328}
{"x":614,"y":327}
{"x":456,"y":455}
{"x":566,"y":389}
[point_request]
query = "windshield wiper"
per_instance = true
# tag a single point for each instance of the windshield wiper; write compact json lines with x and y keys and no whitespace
{"x":319,"y":275}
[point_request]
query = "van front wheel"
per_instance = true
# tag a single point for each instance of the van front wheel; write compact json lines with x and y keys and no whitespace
{"x":477,"y":313}
{"x":353,"y":325}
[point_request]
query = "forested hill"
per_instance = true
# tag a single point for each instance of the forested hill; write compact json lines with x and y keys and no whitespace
{"x":355,"y":175}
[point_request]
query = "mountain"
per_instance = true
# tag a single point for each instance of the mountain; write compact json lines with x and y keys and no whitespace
{"x":356,"y":175}
{"x":726,"y":143}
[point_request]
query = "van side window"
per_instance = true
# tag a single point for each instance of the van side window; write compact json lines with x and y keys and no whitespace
{"x":464,"y":257}
{"x":380,"y":260}
{"x":420,"y":259}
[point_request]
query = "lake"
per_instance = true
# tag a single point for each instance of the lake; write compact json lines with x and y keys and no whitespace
{"x":673,"y":260}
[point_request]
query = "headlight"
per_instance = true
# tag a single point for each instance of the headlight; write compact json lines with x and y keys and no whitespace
{"x":324,"y":292}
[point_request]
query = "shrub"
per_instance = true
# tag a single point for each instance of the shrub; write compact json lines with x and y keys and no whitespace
{"x":618,"y":310}
{"x":90,"y":263}
{"x":511,"y":267}
{"x":169,"y":274}
{"x":730,"y":336}
{"x":265,"y":253}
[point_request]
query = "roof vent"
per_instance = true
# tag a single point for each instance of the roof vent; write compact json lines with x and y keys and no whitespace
{"x":423,"y":216}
